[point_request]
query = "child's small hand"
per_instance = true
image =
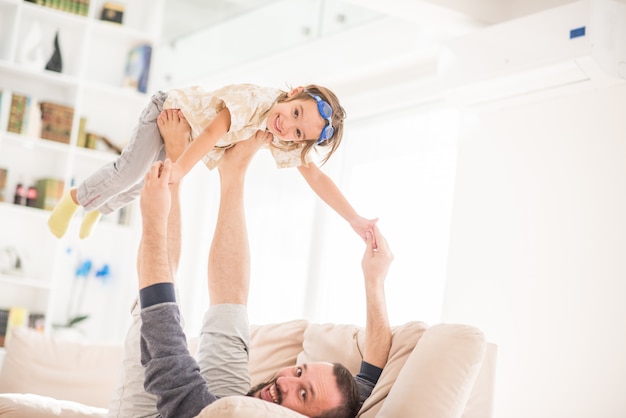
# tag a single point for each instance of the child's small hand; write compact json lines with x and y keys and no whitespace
{"x":176,"y":174}
{"x":361,"y":226}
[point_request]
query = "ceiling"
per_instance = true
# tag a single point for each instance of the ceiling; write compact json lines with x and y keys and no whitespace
{"x":184,"y":17}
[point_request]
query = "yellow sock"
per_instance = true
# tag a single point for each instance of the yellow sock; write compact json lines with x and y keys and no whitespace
{"x":90,"y":220}
{"x":61,"y":215}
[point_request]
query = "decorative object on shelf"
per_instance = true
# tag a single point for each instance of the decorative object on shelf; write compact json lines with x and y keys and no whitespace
{"x":56,"y":122}
{"x":112,"y":12}
{"x":19,"y":198}
{"x":10,"y":261}
{"x":77,"y":295}
{"x":4,"y":319}
{"x":71,"y":322}
{"x":37,"y":321}
{"x":56,"y":62}
{"x":31,"y":51}
{"x":31,"y":196}
{"x":95,"y":141}
{"x":138,"y":68}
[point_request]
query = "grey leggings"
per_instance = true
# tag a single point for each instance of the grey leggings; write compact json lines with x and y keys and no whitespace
{"x":118,"y":183}
{"x":222,"y":355}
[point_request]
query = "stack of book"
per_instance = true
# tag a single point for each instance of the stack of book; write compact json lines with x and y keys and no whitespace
{"x":56,"y":122}
{"x":50,"y":120}
{"x":79,"y":7}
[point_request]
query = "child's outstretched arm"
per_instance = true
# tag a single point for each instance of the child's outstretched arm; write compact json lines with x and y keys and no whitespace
{"x":328,"y":191}
{"x":201,"y":145}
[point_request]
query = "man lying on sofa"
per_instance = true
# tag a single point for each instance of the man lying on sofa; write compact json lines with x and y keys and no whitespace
{"x":182,"y":387}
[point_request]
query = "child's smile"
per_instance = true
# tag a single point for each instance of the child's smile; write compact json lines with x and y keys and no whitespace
{"x":296,"y":121}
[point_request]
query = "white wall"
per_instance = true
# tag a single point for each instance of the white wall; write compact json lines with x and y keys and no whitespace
{"x":538,"y":230}
{"x":537,"y":251}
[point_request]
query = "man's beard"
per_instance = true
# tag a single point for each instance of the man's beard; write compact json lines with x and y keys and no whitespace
{"x":257,"y":388}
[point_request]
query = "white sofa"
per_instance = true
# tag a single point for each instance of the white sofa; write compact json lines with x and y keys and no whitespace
{"x":441,"y":371}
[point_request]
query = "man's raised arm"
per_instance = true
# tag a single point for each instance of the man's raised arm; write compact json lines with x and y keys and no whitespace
{"x":375,"y":265}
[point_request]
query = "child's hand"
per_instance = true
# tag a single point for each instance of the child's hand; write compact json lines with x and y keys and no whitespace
{"x":176,"y":174}
{"x":361,"y":226}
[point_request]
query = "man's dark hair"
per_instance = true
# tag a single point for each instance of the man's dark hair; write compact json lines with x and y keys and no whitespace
{"x":350,"y":392}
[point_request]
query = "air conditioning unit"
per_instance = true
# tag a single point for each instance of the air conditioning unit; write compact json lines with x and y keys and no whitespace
{"x":576,"y":46}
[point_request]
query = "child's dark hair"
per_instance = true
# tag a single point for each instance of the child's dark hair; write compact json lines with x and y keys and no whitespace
{"x":339,"y":114}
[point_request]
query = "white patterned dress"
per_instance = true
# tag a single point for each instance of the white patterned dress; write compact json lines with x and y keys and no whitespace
{"x":118,"y":183}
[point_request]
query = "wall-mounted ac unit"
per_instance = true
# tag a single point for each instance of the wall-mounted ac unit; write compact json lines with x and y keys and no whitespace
{"x":576,"y":46}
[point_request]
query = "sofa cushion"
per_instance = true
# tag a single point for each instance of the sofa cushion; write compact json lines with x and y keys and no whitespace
{"x":273,"y":347}
{"x":41,"y":364}
{"x":19,"y":405}
{"x":334,"y":343}
{"x":344,"y":344}
{"x":438,"y":376}
{"x":246,"y":407}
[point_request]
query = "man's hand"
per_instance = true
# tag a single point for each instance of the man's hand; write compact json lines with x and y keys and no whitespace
{"x":377,"y":257}
{"x":363,"y":226}
{"x":237,"y":158}
{"x":375,"y":264}
{"x":156,"y":199}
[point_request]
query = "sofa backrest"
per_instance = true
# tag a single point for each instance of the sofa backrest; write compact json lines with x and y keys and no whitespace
{"x":43,"y":365}
{"x":446,"y":370}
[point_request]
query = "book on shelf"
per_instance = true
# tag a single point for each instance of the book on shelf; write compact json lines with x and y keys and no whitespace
{"x":24,"y":115}
{"x":56,"y":122}
{"x":138,"y":67}
{"x":49,"y":192}
{"x":81,"y":138}
{"x":4,"y":172}
{"x":4,"y":318}
{"x":18,"y":112}
{"x":80,"y":7}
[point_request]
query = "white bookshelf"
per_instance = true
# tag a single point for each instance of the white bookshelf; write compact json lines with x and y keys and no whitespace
{"x":94,"y":54}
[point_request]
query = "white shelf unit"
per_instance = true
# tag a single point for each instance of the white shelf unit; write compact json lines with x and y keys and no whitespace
{"x":94,"y":55}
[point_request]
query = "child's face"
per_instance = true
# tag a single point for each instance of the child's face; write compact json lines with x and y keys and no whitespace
{"x":296,"y":120}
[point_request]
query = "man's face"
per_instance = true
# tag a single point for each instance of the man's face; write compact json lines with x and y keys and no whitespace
{"x":309,"y":389}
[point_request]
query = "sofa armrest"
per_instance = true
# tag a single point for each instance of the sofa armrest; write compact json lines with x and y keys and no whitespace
{"x":438,"y":376}
{"x":480,"y":403}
